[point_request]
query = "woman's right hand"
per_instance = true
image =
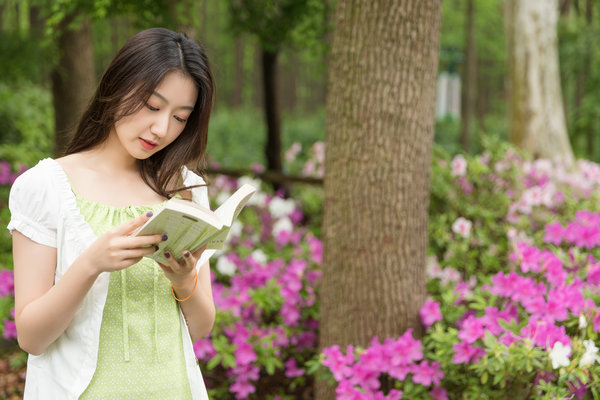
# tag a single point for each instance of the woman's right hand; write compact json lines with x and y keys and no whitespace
{"x":117,"y":249}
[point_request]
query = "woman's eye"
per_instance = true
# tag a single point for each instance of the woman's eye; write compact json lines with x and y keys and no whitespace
{"x":180,"y":119}
{"x":151,"y":108}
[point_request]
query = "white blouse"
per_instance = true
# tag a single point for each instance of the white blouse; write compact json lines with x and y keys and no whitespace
{"x":43,"y":207}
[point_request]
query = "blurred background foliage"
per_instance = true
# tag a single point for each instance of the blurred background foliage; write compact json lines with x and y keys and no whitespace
{"x":233,"y":40}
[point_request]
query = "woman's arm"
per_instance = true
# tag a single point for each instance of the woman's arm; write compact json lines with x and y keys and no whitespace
{"x":199,"y":308}
{"x":43,"y":310}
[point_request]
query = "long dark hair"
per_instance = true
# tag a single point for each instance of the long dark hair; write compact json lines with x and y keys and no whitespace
{"x":126,"y":85}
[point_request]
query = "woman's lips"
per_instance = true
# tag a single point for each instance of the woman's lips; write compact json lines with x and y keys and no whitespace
{"x":148,"y":144}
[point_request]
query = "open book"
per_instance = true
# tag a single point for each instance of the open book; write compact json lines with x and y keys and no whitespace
{"x":189,"y":226}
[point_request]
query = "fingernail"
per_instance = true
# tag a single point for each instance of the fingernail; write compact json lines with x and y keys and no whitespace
{"x":164,"y":238}
{"x":149,"y":214}
{"x":167,"y":254}
{"x":156,"y":248}
{"x":186,"y":254}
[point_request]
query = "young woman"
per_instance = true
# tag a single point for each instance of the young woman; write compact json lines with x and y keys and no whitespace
{"x":98,"y":319}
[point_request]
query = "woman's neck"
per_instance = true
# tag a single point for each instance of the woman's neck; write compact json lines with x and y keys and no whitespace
{"x":111,"y":157}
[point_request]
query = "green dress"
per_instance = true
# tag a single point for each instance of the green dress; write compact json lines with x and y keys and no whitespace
{"x":140,"y":354}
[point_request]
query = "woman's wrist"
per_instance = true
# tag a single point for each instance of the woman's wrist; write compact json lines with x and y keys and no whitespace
{"x":184,"y":282}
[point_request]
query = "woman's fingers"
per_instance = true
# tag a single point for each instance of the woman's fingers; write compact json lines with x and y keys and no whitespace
{"x":130,"y":226}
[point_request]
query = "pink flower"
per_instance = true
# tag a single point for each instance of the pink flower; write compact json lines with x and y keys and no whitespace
{"x":364,"y":377}
{"x":291,"y":369}
{"x":405,"y":349}
{"x":338,"y":363}
{"x":439,"y":393}
{"x":10,"y":329}
{"x":7,"y":283}
{"x":458,"y":165}
{"x":462,"y":227}
{"x":244,"y":354}
{"x":471,"y":329}
{"x":242,"y":389}
{"x":427,"y":374}
{"x":463,"y":352}
{"x":554,"y":233}
{"x":430,"y":313}
{"x":204,"y":350}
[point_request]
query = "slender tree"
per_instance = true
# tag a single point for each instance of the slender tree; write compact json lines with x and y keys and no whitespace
{"x":536,"y":112}
{"x":275,"y":24}
{"x":73,"y":78}
{"x":379,"y":137}
{"x":469,"y":77}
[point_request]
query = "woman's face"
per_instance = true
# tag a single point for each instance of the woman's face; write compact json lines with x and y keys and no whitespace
{"x":161,"y":120}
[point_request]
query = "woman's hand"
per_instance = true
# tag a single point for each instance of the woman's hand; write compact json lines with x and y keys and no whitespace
{"x":181,"y":273}
{"x":117,"y":249}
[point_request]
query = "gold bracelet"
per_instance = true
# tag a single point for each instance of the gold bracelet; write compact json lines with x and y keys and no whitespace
{"x":191,"y":294}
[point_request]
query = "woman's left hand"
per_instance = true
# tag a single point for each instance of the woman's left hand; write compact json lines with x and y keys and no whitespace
{"x":180,"y":273}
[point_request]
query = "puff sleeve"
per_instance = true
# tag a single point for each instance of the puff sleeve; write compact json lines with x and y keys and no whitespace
{"x":199,"y":196}
{"x":34,"y":206}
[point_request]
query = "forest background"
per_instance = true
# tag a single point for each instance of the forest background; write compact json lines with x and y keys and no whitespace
{"x":270,"y":61}
{"x":29,"y":53}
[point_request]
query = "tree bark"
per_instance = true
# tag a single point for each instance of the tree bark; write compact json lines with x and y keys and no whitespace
{"x":237,"y":91}
{"x":73,"y":80}
{"x":536,"y":112}
{"x":469,"y":78}
{"x":272,"y":111}
{"x":379,"y":137}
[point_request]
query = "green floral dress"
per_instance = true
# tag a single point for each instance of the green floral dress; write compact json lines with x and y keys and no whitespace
{"x":140,"y":355}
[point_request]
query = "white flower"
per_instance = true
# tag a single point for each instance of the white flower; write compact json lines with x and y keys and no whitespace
{"x":226,"y":266}
{"x":279,"y":207}
{"x":236,"y":229}
{"x":459,"y":165}
{"x":582,"y":321}
{"x":560,"y":355}
{"x":590,"y":355}
{"x":462,"y":227}
{"x":246,"y":179}
{"x":282,"y":224}
{"x":259,"y":256}
{"x":222,"y":196}
{"x":258,"y":199}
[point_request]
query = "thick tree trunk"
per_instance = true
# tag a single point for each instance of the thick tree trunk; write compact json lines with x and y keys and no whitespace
{"x":272,"y":112}
{"x":73,"y":80}
{"x":469,"y":78}
{"x":379,"y":137}
{"x":536,"y":113}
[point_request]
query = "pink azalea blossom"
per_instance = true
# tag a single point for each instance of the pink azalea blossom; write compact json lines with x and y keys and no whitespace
{"x":471,"y":329}
{"x":426,"y":373}
{"x":291,"y":369}
{"x":439,"y":393}
{"x":10,"y":329}
{"x":463,"y":352}
{"x":458,"y":165}
{"x":430,"y":313}
{"x":7,"y":283}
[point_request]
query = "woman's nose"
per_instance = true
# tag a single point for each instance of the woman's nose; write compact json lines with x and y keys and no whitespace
{"x":160,"y":124}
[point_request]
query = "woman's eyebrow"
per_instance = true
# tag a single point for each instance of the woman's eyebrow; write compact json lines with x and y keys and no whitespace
{"x":163,"y":98}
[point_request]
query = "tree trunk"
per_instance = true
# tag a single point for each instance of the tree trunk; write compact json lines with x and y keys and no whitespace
{"x":536,"y":113}
{"x":379,"y":137}
{"x":469,"y":78}
{"x":272,"y":112}
{"x":237,"y":91}
{"x":587,"y":66}
{"x":73,"y":80}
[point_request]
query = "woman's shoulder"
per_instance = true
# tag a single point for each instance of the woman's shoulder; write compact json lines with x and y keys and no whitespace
{"x":40,"y":175}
